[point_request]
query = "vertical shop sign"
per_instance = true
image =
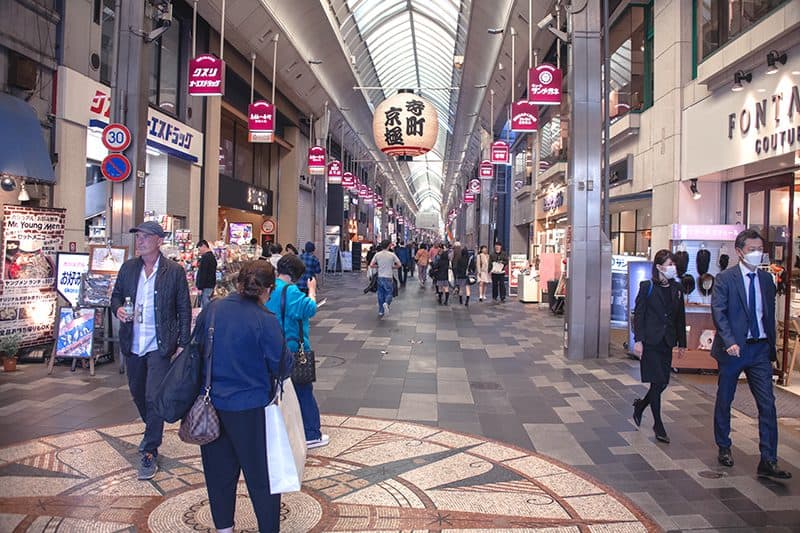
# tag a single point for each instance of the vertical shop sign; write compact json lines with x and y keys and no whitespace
{"x":335,"y":172}
{"x":486,"y":170}
{"x":206,"y":76}
{"x":369,"y":197}
{"x":316,"y":161}
{"x":475,"y":186}
{"x":500,"y":153}
{"x":469,"y":198}
{"x":348,"y":180}
{"x":544,"y":85}
{"x":261,"y":122}
{"x":524,"y":117}
{"x":379,"y":202}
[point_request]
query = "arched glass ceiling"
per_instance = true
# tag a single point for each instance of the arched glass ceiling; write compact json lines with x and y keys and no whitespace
{"x":410,"y":44}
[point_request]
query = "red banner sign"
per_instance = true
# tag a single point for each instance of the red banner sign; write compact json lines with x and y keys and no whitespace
{"x":379,"y":202}
{"x":469,"y":198}
{"x":206,"y":76}
{"x":400,"y":220}
{"x":500,"y":153}
{"x":524,"y":116}
{"x":335,"y":172}
{"x":362,"y":190}
{"x":316,"y":161}
{"x":369,"y":196}
{"x":486,"y":170}
{"x":475,"y":186}
{"x":348,"y":180}
{"x":261,"y":122}
{"x":544,"y":85}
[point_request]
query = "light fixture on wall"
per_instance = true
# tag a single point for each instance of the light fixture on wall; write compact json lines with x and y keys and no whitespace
{"x":695,"y":191}
{"x":773,"y":58}
{"x":23,"y":193}
{"x":738,"y":77}
{"x":8,"y":184}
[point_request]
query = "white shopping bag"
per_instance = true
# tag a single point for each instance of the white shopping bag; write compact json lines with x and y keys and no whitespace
{"x":286,"y":441}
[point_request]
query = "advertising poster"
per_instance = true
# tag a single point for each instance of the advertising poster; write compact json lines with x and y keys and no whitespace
{"x":75,"y":333}
{"x":30,"y":315}
{"x":516,"y":264}
{"x":69,"y":268}
{"x":31,"y":238}
{"x":241,"y":233}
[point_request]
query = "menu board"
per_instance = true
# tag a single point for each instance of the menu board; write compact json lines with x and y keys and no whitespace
{"x":31,"y":238}
{"x":69,"y":268}
{"x":31,"y":315}
{"x":75,"y":332}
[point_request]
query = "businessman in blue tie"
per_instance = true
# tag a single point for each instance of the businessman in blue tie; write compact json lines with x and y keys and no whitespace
{"x":743,"y":308}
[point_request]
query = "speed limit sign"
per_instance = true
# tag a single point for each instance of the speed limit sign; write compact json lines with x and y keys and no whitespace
{"x":116,"y":137}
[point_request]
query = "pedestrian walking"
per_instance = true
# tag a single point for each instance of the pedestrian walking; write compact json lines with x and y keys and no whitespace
{"x":275,"y":256}
{"x":386,"y":262}
{"x":442,"y":277}
{"x":499,"y":263}
{"x":482,"y":264}
{"x":462,"y":265}
{"x":404,"y":255}
{"x":206,"y":278}
{"x":312,"y":265}
{"x":421,"y":259}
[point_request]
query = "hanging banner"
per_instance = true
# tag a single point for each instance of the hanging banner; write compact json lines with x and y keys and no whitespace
{"x":369,"y":196}
{"x":206,"y":76}
{"x":348,"y":180}
{"x":316,"y":161}
{"x":469,"y":198}
{"x":544,"y":85}
{"x":486,"y":170}
{"x":261,"y":122}
{"x":475,"y":186}
{"x":524,"y":116}
{"x":335,"y":172}
{"x":362,"y":190}
{"x":500,"y":153}
{"x":379,"y":202}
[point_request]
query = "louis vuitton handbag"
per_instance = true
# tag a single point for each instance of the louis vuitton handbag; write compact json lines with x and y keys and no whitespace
{"x":305,"y":362}
{"x":201,"y":424}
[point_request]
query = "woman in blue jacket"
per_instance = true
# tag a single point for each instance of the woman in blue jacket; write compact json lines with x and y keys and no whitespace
{"x":299,"y":309}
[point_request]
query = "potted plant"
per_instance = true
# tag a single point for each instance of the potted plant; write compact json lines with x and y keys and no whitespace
{"x":9,"y":346}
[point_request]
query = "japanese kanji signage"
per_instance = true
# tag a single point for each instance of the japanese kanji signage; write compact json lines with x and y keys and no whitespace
{"x":206,"y":76}
{"x":362,"y":190}
{"x":316,"y":161}
{"x":524,"y":116}
{"x":544,"y":85}
{"x":378,"y":202}
{"x":486,"y":170}
{"x":348,"y":180}
{"x":475,"y":186}
{"x":369,"y":196}
{"x":405,"y":125}
{"x":500,"y":153}
{"x":469,"y":198}
{"x":335,"y":172}
{"x":261,"y":122}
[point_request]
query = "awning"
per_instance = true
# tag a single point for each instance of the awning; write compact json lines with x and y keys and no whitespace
{"x":23,"y":153}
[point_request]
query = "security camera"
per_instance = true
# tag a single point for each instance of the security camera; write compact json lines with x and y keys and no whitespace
{"x":164,"y":20}
{"x":545,"y":21}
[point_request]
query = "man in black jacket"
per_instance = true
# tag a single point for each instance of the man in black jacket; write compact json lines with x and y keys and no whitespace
{"x":206,"y":278}
{"x":498,"y":265}
{"x":156,"y":329}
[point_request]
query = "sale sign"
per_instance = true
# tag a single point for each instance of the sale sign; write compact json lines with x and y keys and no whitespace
{"x":544,"y":85}
{"x":335,"y":172}
{"x":486,"y":170}
{"x":500,"y":153}
{"x":261,"y":122}
{"x":206,"y":76}
{"x":316,"y":161}
{"x":524,"y":116}
{"x":475,"y":186}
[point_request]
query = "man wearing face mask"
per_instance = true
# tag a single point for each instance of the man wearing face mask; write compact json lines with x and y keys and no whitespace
{"x":659,"y":324}
{"x":743,"y":308}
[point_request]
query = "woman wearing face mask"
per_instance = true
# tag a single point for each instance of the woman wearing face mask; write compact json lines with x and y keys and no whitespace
{"x":659,"y":324}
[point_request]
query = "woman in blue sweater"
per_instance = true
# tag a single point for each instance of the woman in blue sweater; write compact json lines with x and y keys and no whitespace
{"x":294,"y":320}
{"x":249,"y":357}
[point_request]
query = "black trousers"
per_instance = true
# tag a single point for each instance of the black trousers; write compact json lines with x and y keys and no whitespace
{"x":402,"y":273}
{"x":241,"y":446}
{"x":499,"y":286}
{"x":145,"y":374}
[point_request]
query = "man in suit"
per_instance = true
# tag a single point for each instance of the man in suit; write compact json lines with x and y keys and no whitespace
{"x":743,"y":308}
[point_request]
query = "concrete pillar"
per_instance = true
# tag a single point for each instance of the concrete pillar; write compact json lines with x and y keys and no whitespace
{"x":70,"y":189}
{"x":584,"y":187}
{"x":210,"y":199}
{"x":288,"y":190}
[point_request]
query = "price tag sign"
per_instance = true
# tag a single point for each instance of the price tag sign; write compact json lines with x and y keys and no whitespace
{"x":116,"y":137}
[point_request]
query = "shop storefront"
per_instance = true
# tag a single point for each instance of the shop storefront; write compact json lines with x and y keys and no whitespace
{"x":245,"y":213}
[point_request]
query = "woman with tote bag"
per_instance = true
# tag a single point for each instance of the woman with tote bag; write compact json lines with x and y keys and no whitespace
{"x":249,"y":357}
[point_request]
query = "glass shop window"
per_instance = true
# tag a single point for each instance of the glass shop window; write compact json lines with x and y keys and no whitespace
{"x":720,"y":21}
{"x":631,"y":72}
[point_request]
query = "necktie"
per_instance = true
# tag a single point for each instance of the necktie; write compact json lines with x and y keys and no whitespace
{"x":751,"y":300}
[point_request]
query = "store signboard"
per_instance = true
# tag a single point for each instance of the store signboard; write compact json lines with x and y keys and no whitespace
{"x":348,"y":180}
{"x":31,"y":238}
{"x":524,"y":116}
{"x":316,"y":161}
{"x":369,"y":196}
{"x":500,"y":153}
{"x":29,"y":314}
{"x":638,"y":271}
{"x":239,"y":195}
{"x":722,"y":232}
{"x":544,"y":84}
{"x":379,"y":202}
{"x":619,"y":289}
{"x":516,"y":264}
{"x":469,"y":198}
{"x":261,"y":122}
{"x":486,"y":169}
{"x":475,"y":186}
{"x":75,"y":332}
{"x":553,"y":201}
{"x":206,"y":76}
{"x":69,"y":268}
{"x":335,"y":172}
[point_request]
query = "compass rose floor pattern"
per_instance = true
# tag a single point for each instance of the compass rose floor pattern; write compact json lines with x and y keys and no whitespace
{"x":376,"y":475}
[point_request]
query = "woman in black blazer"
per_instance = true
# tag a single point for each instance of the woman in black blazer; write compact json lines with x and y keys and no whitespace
{"x":659,"y":324}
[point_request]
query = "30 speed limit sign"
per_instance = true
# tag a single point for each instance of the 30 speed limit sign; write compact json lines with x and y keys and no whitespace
{"x":116,"y":137}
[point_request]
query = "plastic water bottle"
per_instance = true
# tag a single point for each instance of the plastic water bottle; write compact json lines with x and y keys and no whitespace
{"x":128,"y":308}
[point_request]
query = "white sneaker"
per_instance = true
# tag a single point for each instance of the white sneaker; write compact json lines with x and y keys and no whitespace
{"x":318,"y":443}
{"x":385,"y":309}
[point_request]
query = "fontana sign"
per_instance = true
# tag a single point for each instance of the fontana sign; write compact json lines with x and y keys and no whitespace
{"x":765,"y":116}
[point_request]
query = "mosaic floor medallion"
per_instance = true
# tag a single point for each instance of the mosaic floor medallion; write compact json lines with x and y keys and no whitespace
{"x":376,"y":475}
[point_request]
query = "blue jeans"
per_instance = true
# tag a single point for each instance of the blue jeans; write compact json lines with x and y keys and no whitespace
{"x":309,"y":409}
{"x":385,"y":292}
{"x":205,"y":296}
{"x":755,"y":363}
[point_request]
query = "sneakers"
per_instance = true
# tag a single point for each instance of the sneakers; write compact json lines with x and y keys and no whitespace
{"x":318,"y":443}
{"x":148,"y":467}
{"x":385,"y":309}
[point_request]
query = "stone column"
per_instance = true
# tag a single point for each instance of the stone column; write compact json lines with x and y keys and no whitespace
{"x":288,"y":189}
{"x":210,"y":198}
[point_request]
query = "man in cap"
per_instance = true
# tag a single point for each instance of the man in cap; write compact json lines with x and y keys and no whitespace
{"x":157,"y":330}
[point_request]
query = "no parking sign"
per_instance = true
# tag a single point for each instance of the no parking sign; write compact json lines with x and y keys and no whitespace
{"x":116,"y":167}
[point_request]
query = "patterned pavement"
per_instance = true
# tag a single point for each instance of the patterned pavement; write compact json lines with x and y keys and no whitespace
{"x":493,"y":372}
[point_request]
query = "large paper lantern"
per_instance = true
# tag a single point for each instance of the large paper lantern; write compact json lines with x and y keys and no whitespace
{"x":405,"y":125}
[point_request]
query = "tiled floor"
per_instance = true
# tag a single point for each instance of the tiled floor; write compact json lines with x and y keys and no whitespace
{"x":494,"y":371}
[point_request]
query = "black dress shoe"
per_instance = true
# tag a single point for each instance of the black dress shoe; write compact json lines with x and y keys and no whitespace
{"x":661,"y":435}
{"x":770,"y":469}
{"x":638,"y":410}
{"x":724,"y":457}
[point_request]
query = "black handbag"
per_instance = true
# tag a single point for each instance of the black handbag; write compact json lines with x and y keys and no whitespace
{"x":201,"y":424}
{"x":305,"y":362}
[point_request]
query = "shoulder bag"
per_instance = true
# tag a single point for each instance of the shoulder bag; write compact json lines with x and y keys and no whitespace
{"x":472,"y":279}
{"x":201,"y":423}
{"x":305,"y":362}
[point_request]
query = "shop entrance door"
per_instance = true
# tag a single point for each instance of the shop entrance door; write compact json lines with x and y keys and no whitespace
{"x":769,"y":205}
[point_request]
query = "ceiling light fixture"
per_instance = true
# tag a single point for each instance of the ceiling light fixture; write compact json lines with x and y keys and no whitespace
{"x":738,"y":77}
{"x":481,"y":86}
{"x":23,"y":193}
{"x":495,"y":31}
{"x":773,"y":58}
{"x":314,"y":61}
{"x":695,"y":191}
